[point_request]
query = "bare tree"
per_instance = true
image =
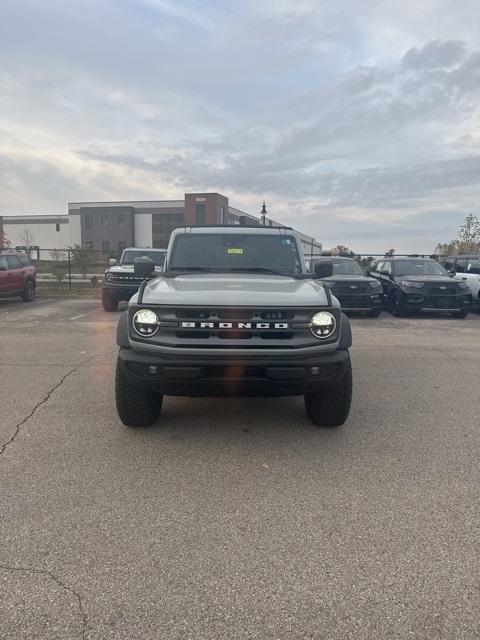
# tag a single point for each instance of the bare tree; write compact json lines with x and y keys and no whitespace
{"x":27,"y":239}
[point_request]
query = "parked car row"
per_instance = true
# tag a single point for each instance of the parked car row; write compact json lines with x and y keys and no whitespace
{"x":406,"y":284}
{"x":400,"y":284}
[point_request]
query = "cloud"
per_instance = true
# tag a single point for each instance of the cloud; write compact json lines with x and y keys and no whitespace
{"x":369,"y":119}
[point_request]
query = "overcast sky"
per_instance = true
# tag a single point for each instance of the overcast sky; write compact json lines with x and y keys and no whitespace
{"x":360,"y":127}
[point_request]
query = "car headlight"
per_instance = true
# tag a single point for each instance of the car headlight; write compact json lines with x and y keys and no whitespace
{"x":323,"y":324}
{"x":328,"y":284}
{"x":415,"y":285}
{"x":463,"y":285}
{"x":108,"y":277}
{"x":146,"y":322}
{"x":376,"y":284}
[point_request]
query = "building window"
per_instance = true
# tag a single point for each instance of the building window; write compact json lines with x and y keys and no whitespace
{"x":88,"y":221}
{"x":200,"y":214}
{"x":122,"y":245}
{"x":122,"y":221}
{"x":162,"y":226}
{"x":57,"y":226}
{"x":105,"y":245}
{"x":89,"y":244}
{"x":105,"y":221}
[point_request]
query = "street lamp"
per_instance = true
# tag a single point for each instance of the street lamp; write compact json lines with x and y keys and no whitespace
{"x":263,"y":214}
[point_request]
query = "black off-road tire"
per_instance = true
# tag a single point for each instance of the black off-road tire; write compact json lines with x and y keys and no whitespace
{"x":330,"y":408}
{"x":135,"y":408}
{"x":28,"y":293}
{"x":374,"y":313}
{"x":396,"y":306}
{"x":109,"y":303}
{"x":460,"y":314}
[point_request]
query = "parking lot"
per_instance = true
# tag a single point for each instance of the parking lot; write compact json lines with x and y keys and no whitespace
{"x":238,"y":518}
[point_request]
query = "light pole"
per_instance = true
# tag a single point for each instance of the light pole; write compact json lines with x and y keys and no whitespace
{"x":263,"y":214}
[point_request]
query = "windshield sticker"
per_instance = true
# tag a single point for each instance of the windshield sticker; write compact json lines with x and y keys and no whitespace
{"x":238,"y":252}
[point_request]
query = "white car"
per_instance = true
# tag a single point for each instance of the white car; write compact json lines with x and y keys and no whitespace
{"x":466,"y":267}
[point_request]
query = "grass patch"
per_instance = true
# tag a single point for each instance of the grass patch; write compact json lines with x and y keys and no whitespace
{"x":62,"y":291}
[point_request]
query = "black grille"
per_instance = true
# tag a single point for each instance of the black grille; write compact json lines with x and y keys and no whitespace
{"x":351,"y":288}
{"x":440,"y":290}
{"x":124,"y":278}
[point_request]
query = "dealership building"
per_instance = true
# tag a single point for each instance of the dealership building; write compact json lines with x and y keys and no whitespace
{"x":112,"y":226}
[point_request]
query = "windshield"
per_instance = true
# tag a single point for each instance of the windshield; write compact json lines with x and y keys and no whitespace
{"x":347,"y":267}
{"x":226,"y":252}
{"x":157,"y":257}
{"x":418,"y":268}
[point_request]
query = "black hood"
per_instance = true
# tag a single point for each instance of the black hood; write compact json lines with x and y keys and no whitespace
{"x":427,"y":279}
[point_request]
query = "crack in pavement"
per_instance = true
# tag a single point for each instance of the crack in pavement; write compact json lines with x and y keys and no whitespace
{"x":58,"y":581}
{"x":18,"y":427}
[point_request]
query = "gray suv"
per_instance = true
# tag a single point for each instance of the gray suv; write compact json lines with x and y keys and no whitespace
{"x":234,"y":313}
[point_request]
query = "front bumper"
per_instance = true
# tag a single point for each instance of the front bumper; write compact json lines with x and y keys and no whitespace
{"x":121,"y":291}
{"x":218,"y":376}
{"x":359,"y":302}
{"x":419,"y":302}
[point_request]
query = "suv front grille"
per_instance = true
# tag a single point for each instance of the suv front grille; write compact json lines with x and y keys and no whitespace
{"x":351,"y":288}
{"x":236,"y":328}
{"x":117,"y":277}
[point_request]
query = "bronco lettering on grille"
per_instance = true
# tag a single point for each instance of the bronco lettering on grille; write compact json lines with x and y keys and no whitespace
{"x":234,"y":325}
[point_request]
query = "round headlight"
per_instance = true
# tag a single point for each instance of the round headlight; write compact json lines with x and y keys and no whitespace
{"x":375,"y":284}
{"x":145,"y":322}
{"x":108,"y":277}
{"x":323,"y":324}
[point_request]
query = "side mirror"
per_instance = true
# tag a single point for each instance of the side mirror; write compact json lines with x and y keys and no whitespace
{"x":143,"y":267}
{"x":112,"y":262}
{"x":323,"y":269}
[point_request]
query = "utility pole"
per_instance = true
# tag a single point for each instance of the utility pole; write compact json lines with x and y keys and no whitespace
{"x":263,"y":214}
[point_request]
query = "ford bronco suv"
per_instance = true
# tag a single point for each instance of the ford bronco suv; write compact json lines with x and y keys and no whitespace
{"x":234,"y":313}
{"x":120,"y":281}
{"x":17,"y":275}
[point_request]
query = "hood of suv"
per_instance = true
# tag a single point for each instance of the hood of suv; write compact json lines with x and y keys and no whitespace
{"x":349,"y":278}
{"x":427,"y":279}
{"x":235,"y":289}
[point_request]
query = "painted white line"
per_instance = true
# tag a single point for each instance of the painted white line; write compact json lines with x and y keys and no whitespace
{"x":82,"y":315}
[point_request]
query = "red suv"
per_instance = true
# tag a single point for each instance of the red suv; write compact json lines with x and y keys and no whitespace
{"x":17,"y":275}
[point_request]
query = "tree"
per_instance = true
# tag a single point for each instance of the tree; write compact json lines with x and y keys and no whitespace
{"x":27,"y":239}
{"x":365,"y":263}
{"x":4,"y":241}
{"x":467,"y":240}
{"x":81,"y":258}
{"x":342,"y":250}
{"x":389,"y":253}
{"x":59,"y":271}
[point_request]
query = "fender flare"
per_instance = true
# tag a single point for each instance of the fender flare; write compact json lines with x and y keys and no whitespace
{"x":345,"y":333}
{"x":122,"y":330}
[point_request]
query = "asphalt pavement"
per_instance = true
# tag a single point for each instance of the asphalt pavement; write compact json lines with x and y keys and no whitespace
{"x":238,"y":519}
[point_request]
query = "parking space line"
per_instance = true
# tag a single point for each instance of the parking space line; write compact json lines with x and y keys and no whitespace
{"x":83,"y":315}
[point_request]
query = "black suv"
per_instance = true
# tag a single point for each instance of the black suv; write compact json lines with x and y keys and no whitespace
{"x":120,"y":281}
{"x":354,"y":290}
{"x":420,"y":284}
